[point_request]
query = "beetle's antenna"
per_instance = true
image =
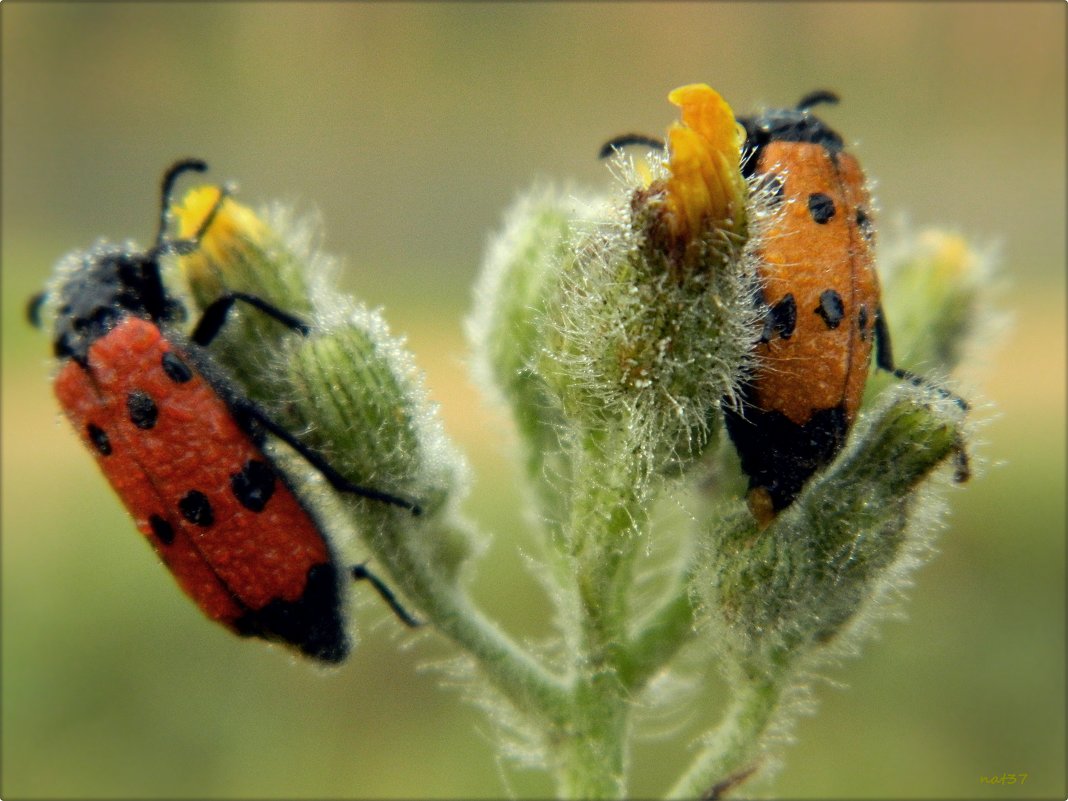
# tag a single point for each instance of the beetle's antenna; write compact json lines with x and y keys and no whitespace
{"x":626,"y":140}
{"x":169,"y":178}
{"x":816,"y":98}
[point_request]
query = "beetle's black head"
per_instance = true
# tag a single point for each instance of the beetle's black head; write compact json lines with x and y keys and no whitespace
{"x":796,"y":124}
{"x":98,"y":287}
{"x":102,"y":286}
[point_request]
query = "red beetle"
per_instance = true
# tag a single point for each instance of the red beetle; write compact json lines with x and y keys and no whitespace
{"x":184,"y":449}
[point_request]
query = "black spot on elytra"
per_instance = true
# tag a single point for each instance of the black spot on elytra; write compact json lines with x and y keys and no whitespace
{"x":830,"y":309}
{"x":176,"y":369}
{"x":862,"y":322}
{"x":781,"y":319}
{"x":196,"y":508}
{"x":163,"y":530}
{"x":254,"y":485}
{"x":865,"y":224}
{"x":142,"y":409}
{"x":820,"y":207}
{"x":99,"y":438}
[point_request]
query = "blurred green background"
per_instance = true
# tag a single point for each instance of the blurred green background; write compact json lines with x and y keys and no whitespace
{"x":410,"y":128}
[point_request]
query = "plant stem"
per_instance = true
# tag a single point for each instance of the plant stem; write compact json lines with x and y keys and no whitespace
{"x":606,"y":519}
{"x":667,"y":629}
{"x":521,"y":678}
{"x":733,"y":745}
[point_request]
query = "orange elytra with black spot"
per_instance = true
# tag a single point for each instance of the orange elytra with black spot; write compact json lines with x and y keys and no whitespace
{"x":819,"y":294}
{"x":184,"y":449}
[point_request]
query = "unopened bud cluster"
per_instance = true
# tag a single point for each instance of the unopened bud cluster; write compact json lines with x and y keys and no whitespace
{"x":349,"y":385}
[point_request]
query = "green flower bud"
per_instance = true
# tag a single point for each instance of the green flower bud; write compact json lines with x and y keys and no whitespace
{"x":348,"y":387}
{"x":936,"y":299}
{"x":352,"y":387}
{"x":506,"y":328}
{"x":934,"y":282}
{"x":633,"y":317}
{"x":782,"y":591}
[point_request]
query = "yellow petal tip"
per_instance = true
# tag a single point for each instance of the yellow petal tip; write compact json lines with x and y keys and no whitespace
{"x":233,"y":229}
{"x":705,"y":188}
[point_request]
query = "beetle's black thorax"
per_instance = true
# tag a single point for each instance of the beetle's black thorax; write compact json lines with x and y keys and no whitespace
{"x":784,"y":125}
{"x":106,"y":284}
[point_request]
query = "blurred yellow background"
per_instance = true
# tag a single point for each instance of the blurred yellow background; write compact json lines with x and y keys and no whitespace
{"x":410,"y":128}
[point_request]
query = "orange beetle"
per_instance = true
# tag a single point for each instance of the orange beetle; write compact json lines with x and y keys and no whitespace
{"x":820,"y":294}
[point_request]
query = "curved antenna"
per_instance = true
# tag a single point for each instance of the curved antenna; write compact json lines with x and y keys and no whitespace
{"x":626,"y":140}
{"x":169,"y":178}
{"x":816,"y":98}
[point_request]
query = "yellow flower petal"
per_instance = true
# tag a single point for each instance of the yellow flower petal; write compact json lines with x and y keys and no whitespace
{"x":233,"y":233}
{"x":705,"y":189}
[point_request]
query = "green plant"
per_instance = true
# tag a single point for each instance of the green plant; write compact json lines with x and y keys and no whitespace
{"x":613,"y":327}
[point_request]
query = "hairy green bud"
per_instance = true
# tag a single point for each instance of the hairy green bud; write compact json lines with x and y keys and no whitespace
{"x":348,"y":386}
{"x":781,"y":592}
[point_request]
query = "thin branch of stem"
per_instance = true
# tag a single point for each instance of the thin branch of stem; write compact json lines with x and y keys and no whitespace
{"x":517,"y":674}
{"x":667,"y":630}
{"x":733,"y":745}
{"x":605,"y":516}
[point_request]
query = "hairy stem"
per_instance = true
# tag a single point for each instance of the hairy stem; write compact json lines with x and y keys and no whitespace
{"x":733,"y":745}
{"x":606,"y":518}
{"x":510,"y":668}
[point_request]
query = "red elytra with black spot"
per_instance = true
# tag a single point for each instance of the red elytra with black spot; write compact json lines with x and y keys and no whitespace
{"x":183,"y":449}
{"x":820,"y":294}
{"x":238,"y":550}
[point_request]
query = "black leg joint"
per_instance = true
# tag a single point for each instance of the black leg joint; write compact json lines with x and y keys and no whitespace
{"x":362,"y":573}
{"x":214,"y":316}
{"x":884,"y":355}
{"x":251,"y":415}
